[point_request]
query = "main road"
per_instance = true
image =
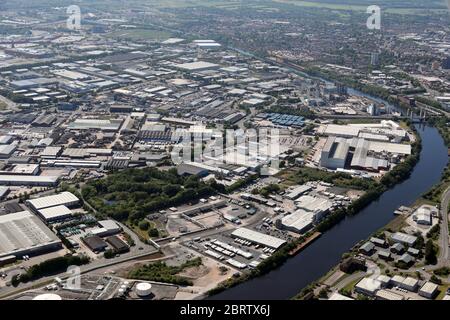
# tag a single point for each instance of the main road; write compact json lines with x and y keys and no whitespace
{"x":443,"y":258}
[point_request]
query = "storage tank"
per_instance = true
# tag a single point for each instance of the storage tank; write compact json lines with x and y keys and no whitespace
{"x":143,"y":289}
{"x":47,"y":296}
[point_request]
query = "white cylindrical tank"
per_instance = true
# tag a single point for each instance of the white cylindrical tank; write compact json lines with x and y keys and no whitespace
{"x":48,"y":296}
{"x":143,"y":289}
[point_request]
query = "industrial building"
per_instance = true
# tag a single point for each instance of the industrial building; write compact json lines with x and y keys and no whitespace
{"x":29,"y":180}
{"x":57,"y":213}
{"x":197,"y":66}
{"x":300,"y":221}
{"x":368,"y":286}
{"x":22,"y":233}
{"x":95,"y":243}
{"x":429,"y":290}
{"x":356,"y":153}
{"x":258,"y":238}
{"x":334,"y":153}
{"x":107,"y":228}
{"x":297,"y":192}
{"x":62,"y":199}
{"x":339,"y":297}
{"x":118,"y":245}
{"x":424,"y":215}
{"x":96,"y":124}
{"x":7,"y":150}
{"x":404,"y":238}
{"x":388,"y":295}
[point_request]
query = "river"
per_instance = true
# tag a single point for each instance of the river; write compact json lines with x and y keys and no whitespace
{"x":323,"y":254}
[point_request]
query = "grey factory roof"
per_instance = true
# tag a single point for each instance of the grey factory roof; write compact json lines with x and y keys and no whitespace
{"x":258,"y":237}
{"x":54,"y":213}
{"x":23,"y":179}
{"x":98,"y":124}
{"x":336,"y":147}
{"x":406,"y":258}
{"x":197,"y":66}
{"x":22,"y":231}
{"x":64,"y":198}
{"x":367,"y":247}
{"x":404,"y":238}
{"x":7,"y":149}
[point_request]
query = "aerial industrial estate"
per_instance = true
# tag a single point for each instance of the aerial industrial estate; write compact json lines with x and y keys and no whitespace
{"x":148,"y":156}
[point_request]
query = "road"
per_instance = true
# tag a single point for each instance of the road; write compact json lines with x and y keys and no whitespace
{"x":96,"y":265}
{"x":443,"y":258}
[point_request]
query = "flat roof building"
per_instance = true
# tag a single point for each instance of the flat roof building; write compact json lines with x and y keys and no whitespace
{"x":404,"y":238}
{"x":300,"y":221}
{"x":258,"y":238}
{"x":197,"y":66}
{"x":338,"y":296}
{"x":23,"y":233}
{"x":96,"y":124}
{"x":368,"y":286}
{"x":334,"y":153}
{"x":7,"y":150}
{"x":297,"y":192}
{"x":388,"y":295}
{"x":62,"y":199}
{"x":95,"y":243}
{"x":23,"y":180}
{"x":57,"y":213}
{"x":429,"y":290}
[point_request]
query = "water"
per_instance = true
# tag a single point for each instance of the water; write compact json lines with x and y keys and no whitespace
{"x":317,"y":259}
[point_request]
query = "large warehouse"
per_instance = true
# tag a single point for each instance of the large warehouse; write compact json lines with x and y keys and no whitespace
{"x":197,"y":66}
{"x":22,"y":233}
{"x":360,"y":154}
{"x":29,"y":180}
{"x":57,"y":213}
{"x":63,"y":199}
{"x":258,"y":238}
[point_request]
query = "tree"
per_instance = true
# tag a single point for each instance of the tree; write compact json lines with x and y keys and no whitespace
{"x":323,"y":293}
{"x":109,"y":254}
{"x":15,"y":281}
{"x":144,"y":225}
{"x":430,"y":253}
{"x":154,"y":233}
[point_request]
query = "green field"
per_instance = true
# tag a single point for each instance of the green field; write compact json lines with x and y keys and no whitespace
{"x":398,"y":7}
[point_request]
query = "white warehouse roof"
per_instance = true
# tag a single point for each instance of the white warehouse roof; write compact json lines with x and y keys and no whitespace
{"x":65,"y":198}
{"x":197,"y":66}
{"x":27,"y":179}
{"x":258,"y":237}
{"x":23,"y":231}
{"x":55,"y":213}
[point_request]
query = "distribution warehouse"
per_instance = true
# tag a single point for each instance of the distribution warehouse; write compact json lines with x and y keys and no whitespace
{"x":63,"y":199}
{"x":258,"y":238}
{"x":23,"y":233}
